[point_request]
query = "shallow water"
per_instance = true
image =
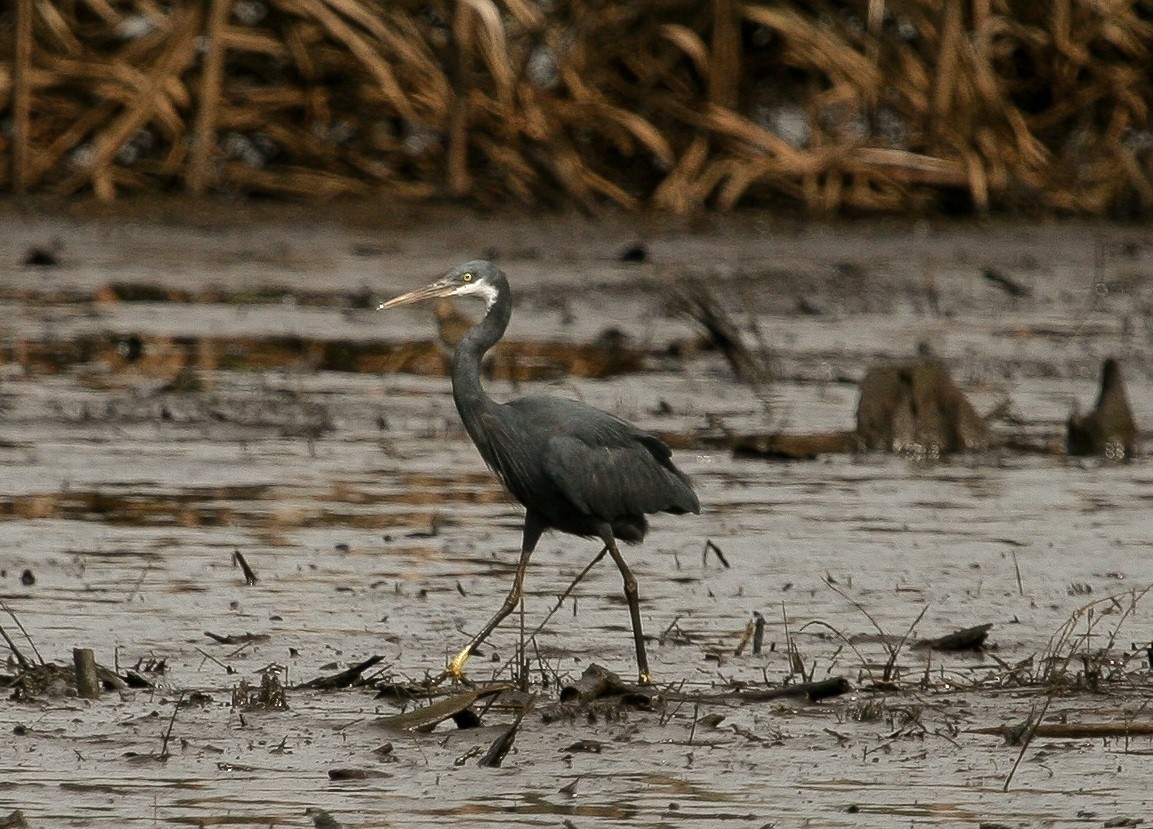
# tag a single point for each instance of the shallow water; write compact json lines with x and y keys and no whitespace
{"x":374,"y":529}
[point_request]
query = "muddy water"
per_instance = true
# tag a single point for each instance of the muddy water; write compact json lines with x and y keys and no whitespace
{"x":374,"y":529}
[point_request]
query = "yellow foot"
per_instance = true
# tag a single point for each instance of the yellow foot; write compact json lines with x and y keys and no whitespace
{"x":644,"y":678}
{"x":455,"y":668}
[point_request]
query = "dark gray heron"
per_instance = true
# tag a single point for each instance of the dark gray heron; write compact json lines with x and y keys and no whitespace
{"x":574,"y":468}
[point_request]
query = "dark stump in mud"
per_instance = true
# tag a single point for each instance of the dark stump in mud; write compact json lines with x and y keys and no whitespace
{"x":1109,"y":429}
{"x":915,"y":406}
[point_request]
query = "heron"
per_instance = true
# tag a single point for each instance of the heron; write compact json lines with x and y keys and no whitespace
{"x":573,"y":468}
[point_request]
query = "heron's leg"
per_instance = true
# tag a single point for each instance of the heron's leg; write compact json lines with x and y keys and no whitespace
{"x":632,"y":597}
{"x":532,"y":532}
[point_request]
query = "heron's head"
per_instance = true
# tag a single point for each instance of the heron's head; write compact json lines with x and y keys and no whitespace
{"x":475,"y":278}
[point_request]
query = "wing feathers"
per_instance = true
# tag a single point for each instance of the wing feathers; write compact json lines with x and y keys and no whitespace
{"x":616,"y":480}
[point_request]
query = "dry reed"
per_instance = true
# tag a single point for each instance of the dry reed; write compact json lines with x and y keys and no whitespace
{"x":864,"y":105}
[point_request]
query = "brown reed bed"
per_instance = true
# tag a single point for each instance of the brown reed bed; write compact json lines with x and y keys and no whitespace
{"x":863,"y":105}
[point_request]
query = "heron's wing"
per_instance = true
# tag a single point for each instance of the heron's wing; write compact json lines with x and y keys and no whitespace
{"x":612,"y":481}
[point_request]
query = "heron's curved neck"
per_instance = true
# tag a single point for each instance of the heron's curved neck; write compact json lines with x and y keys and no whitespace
{"x":467,"y":391}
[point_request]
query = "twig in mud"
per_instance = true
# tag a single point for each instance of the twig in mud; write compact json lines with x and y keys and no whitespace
{"x":746,"y":637}
{"x":344,"y":679}
{"x":1017,"y":570}
{"x":237,"y":638}
{"x":753,"y":737}
{"x":1006,"y":283}
{"x":754,"y":632}
{"x":668,"y":714}
{"x":840,"y":635}
{"x":796,"y":664}
{"x":209,"y":656}
{"x":171,"y":723}
{"x":709,"y":545}
{"x":842,"y":739}
{"x":813,"y":691}
{"x":23,"y":662}
{"x":894,"y":650}
{"x":1026,"y":737}
{"x":136,"y":587}
{"x":766,"y":353}
{"x":20,"y":658}
{"x":87,"y":683}
{"x":1019,"y":672}
{"x":249,"y":576}
{"x":672,"y":625}
{"x":693,"y":727}
{"x":502,"y":744}
{"x":1063,"y":639}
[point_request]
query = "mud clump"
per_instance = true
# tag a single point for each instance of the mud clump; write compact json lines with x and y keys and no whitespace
{"x":916,"y":407}
{"x":1108,"y":430}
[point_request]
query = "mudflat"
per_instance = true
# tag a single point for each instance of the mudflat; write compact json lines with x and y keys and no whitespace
{"x":189,"y":380}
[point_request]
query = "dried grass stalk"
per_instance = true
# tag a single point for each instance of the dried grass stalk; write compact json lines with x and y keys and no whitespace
{"x":871,"y":105}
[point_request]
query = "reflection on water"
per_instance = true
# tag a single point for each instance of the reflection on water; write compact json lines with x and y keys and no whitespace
{"x":114,"y":360}
{"x":257,"y":506}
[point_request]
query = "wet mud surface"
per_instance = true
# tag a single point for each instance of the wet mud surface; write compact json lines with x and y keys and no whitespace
{"x":165,"y":401}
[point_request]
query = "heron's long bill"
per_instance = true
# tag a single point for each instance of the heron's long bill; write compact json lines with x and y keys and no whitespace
{"x":434,"y":291}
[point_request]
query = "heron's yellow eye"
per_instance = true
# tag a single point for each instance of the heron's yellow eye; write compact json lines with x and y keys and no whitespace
{"x":467,"y":277}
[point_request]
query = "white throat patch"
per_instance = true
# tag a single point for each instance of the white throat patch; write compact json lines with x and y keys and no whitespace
{"x":482,"y":289}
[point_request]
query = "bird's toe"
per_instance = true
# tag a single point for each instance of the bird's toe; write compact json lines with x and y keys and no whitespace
{"x":455,"y":667}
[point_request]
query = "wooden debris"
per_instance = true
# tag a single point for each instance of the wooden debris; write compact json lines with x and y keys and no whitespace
{"x":754,"y":632}
{"x":21,"y":660}
{"x":237,"y":638}
{"x":354,"y":774}
{"x":47,"y":679}
{"x":802,"y":447}
{"x":598,"y":686}
{"x":968,"y":639}
{"x":344,"y":679}
{"x":1009,"y":285}
{"x":249,"y":576}
{"x":595,"y":682}
{"x":1077,"y":731}
{"x":1109,"y":430}
{"x":429,"y":716}
{"x":87,"y":684}
{"x":812,"y":691}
